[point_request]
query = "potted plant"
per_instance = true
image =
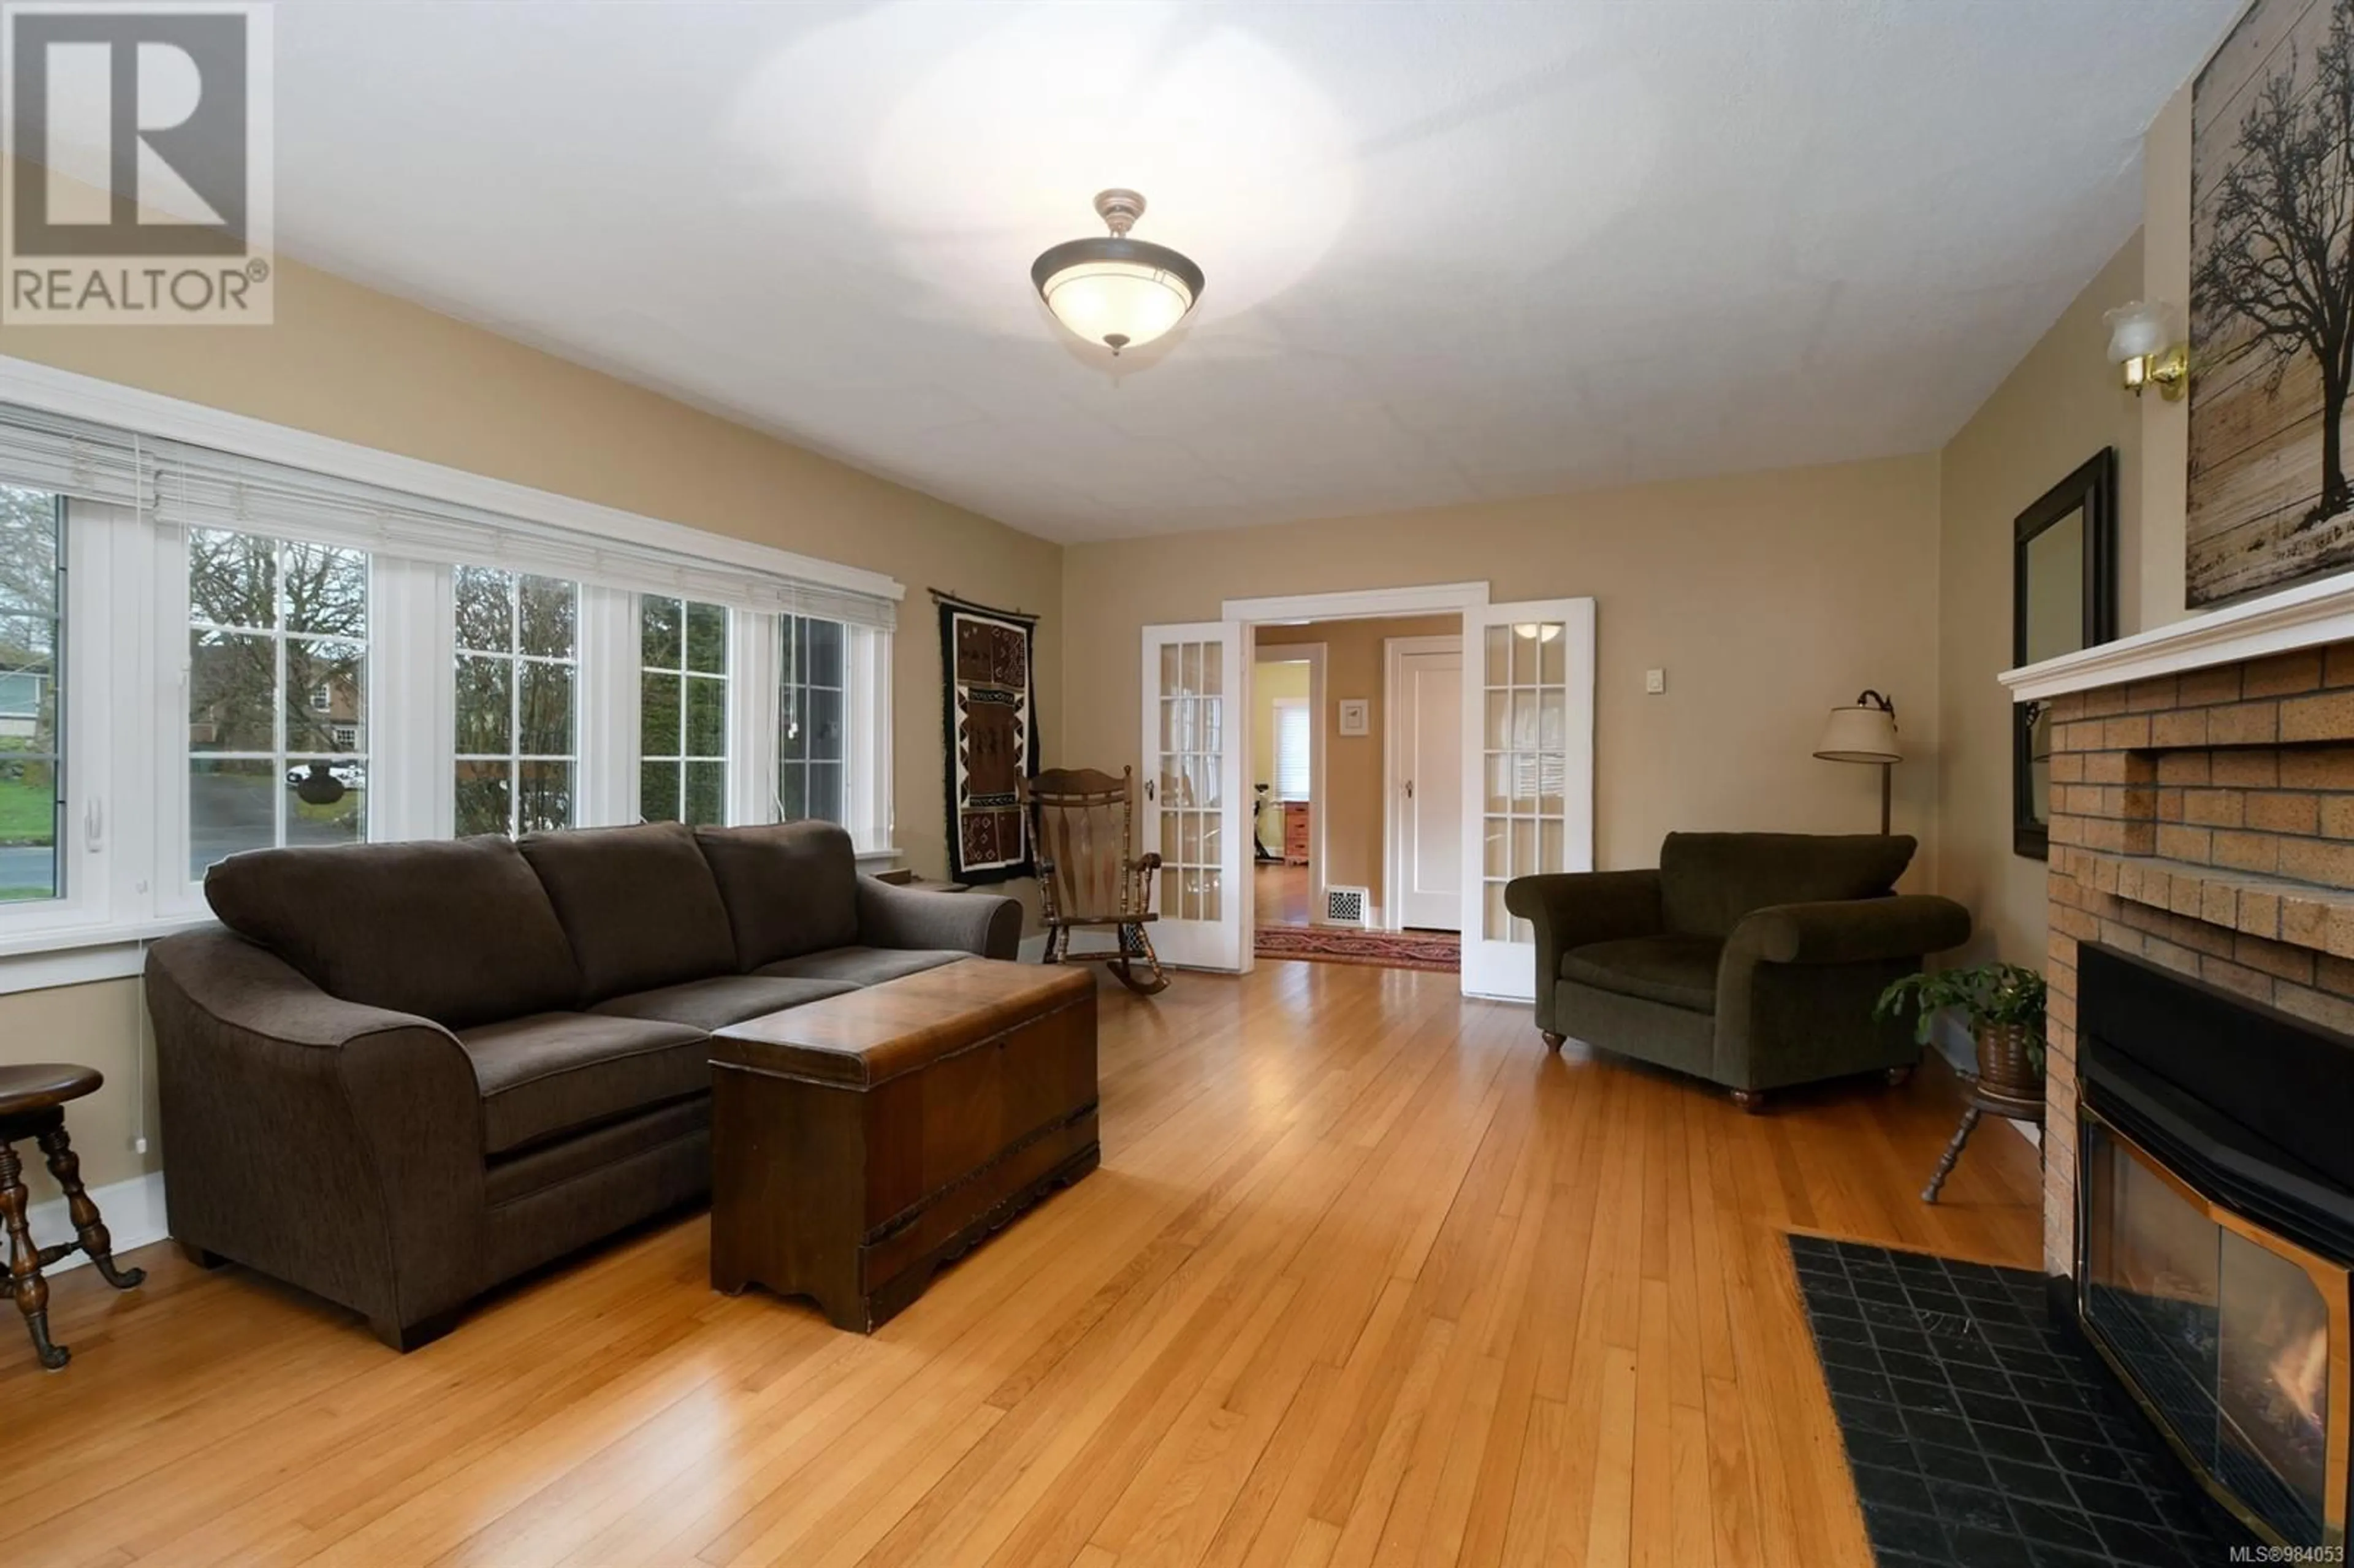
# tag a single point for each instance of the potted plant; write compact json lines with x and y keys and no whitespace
{"x":2004,"y":1006}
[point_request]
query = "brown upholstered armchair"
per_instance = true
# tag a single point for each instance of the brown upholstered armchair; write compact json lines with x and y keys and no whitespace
{"x":1749,"y":959}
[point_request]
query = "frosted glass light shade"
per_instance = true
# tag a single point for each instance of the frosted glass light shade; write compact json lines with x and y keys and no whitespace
{"x":2135,"y":330}
{"x":1118,"y":301}
{"x":1860,"y":735}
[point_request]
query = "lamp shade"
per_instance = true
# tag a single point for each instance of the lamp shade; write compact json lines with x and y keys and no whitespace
{"x":1118,"y":292}
{"x":2135,"y":330}
{"x":1862,"y":734}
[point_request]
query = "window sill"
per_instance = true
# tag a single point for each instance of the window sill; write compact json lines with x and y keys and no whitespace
{"x":46,"y":959}
{"x":876,"y":856}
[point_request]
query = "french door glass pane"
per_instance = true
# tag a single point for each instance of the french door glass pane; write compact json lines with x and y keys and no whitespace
{"x":277,"y":712}
{"x":32,"y":642}
{"x":1189,"y":771}
{"x":1525,"y":735}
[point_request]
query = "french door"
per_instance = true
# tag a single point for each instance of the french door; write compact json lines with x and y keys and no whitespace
{"x":1193,"y":790}
{"x":1527,"y":782}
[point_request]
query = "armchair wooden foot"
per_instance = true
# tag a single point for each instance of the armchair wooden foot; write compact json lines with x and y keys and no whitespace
{"x":1899,"y":1076}
{"x":1751,"y":1100}
{"x":1552,"y":1042}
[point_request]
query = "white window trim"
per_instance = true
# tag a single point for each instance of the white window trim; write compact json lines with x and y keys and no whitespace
{"x":126,"y":726}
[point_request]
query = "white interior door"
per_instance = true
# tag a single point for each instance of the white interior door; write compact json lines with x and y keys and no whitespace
{"x":1193,"y":797}
{"x":1528,"y":694}
{"x":1426,"y":728}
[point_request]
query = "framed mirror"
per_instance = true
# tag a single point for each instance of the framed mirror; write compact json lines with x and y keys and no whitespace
{"x":2064,"y":582}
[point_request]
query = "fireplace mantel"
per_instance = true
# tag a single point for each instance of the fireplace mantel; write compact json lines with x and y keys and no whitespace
{"x":2305,"y":616}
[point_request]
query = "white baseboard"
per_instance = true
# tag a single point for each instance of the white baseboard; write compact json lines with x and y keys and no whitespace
{"x":133,"y":1209}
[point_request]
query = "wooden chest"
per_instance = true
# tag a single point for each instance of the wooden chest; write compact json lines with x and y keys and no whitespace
{"x":860,"y":1142}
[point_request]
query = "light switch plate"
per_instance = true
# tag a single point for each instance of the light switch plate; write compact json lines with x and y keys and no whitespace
{"x":1655,"y":681}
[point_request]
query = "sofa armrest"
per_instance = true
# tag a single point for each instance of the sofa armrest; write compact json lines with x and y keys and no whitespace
{"x":1570,"y":909}
{"x":982,"y":924}
{"x":333,"y":1145}
{"x":1853,"y":930}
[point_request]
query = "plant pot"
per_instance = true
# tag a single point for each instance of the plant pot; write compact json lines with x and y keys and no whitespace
{"x":2007,"y":1074}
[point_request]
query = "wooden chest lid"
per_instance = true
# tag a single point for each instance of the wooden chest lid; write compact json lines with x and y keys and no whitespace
{"x":870,"y":1036}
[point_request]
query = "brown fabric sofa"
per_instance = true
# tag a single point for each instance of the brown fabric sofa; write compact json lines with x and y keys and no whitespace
{"x":1749,"y":959}
{"x":401,"y":1074}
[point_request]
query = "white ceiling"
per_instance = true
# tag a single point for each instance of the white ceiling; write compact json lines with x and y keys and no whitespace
{"x":1454,"y":252}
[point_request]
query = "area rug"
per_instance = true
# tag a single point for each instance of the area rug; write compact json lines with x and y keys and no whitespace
{"x":990,"y":718}
{"x":1435,"y":950}
{"x":1978,"y":1432}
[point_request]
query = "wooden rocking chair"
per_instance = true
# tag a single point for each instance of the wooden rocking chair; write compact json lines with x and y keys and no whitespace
{"x":1090,"y":874}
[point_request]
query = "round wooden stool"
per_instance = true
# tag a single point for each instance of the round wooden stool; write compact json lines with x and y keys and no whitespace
{"x":32,"y":1105}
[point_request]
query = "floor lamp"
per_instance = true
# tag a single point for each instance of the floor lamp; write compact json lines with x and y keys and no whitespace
{"x":1864,"y":731}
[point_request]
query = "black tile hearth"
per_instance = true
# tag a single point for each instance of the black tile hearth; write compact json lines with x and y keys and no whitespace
{"x":1980,"y":1432}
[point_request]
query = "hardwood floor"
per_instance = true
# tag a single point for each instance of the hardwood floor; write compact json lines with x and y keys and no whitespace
{"x":1366,"y":1277}
{"x":1283,"y":893}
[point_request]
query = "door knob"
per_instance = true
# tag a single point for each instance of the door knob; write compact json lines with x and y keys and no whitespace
{"x":1147,"y":789}
{"x":1409,"y":789}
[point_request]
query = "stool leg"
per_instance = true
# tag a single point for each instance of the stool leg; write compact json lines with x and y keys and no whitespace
{"x":89,"y":1229}
{"x":24,"y":1281}
{"x":1953,"y":1153}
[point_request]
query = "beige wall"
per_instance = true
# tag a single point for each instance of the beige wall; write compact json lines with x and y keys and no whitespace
{"x":348,"y":361}
{"x":2157,"y":477}
{"x":1272,"y":681}
{"x":1354,"y":666}
{"x":1767,"y":599}
{"x":2061,"y":405}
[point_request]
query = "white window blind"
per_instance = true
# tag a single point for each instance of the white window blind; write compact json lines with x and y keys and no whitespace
{"x":184,"y":485}
{"x":1292,"y":749}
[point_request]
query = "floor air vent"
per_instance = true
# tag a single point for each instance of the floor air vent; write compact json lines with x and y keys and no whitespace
{"x":1345,"y":905}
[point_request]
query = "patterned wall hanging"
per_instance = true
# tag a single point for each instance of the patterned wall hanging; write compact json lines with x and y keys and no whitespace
{"x":991,"y":723}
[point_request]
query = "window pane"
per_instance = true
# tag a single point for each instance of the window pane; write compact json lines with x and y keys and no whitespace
{"x":545,"y":710}
{"x":658,"y":714}
{"x":483,"y":804}
{"x":706,"y":793}
{"x":515,"y":701}
{"x":551,"y":617}
{"x":543,"y":798}
{"x":485,"y":608}
{"x":484,"y":700}
{"x":232,"y":806}
{"x":658,"y":623}
{"x":707,"y":717}
{"x":658,"y":792}
{"x":326,"y":591}
{"x":707,"y":639}
{"x":31,"y":637}
{"x":232,"y":579}
{"x":812,"y":728}
{"x":232,"y":679}
{"x":277,"y":707}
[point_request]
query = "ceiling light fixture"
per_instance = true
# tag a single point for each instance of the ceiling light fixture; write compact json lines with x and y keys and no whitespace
{"x":1113,"y":289}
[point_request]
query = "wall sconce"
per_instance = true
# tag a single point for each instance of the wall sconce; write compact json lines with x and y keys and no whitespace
{"x":2142,"y":343}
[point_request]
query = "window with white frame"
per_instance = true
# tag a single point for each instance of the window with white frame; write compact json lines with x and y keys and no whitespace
{"x":283,"y":657}
{"x":1293,"y":746}
{"x":517,"y":676}
{"x":813,"y":748}
{"x":32,"y":641}
{"x":278,"y":644}
{"x":682,"y":739}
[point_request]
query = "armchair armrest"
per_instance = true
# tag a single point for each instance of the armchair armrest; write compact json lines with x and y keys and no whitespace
{"x":982,"y":924}
{"x":1853,"y":930}
{"x":331,"y":1144}
{"x":1570,"y":909}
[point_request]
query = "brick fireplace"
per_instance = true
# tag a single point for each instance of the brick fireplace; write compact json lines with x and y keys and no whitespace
{"x":2203,"y":819}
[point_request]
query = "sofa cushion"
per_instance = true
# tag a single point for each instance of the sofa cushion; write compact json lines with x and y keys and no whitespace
{"x":1678,"y":970}
{"x":459,"y":931}
{"x":552,"y":1072}
{"x":1709,"y":881}
{"x":864,"y":966}
{"x":721,"y":1001}
{"x":790,"y":889}
{"x":638,"y":903}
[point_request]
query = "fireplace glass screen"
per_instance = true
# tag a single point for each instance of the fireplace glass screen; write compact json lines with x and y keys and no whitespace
{"x":2227,"y":1338}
